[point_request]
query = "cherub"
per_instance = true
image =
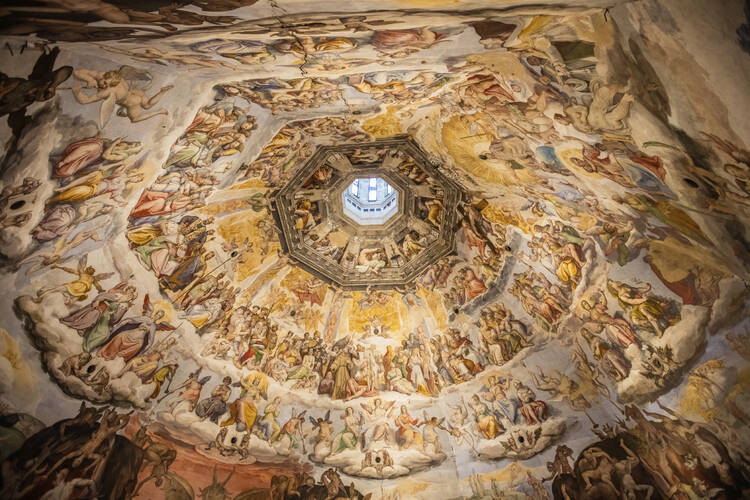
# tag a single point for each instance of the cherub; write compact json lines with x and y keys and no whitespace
{"x":118,"y":87}
{"x":79,"y":288}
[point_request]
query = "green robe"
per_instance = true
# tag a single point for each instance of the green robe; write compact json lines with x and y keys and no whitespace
{"x":99,"y":333}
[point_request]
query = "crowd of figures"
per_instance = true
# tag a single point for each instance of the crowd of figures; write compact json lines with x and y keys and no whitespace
{"x":654,"y":455}
{"x":99,"y":453}
{"x":172,"y":242}
{"x":348,"y":368}
{"x":94,"y":175}
{"x":556,"y":134}
{"x":250,"y":338}
{"x":505,"y":409}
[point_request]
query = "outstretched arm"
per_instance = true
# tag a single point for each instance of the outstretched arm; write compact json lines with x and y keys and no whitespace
{"x":66,"y":269}
{"x":77,"y":182}
{"x":86,"y":75}
{"x":627,"y":450}
{"x":88,"y":99}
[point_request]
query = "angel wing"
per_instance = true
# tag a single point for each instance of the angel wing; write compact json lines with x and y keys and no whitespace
{"x":165,"y":327}
{"x":82,"y":263}
{"x":103,"y":276}
{"x":137,"y":78}
{"x":147,"y":308}
{"x":313,"y":421}
{"x":106,"y":109}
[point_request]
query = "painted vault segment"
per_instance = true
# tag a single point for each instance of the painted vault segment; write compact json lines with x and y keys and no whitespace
{"x":310,"y":208}
{"x":555,"y":310}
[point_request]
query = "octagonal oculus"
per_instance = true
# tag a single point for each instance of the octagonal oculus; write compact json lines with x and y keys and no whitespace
{"x":370,"y":201}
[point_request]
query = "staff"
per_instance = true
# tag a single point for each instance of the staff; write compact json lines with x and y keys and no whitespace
{"x":197,"y":280}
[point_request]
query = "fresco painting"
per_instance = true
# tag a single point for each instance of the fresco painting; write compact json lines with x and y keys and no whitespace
{"x":555,"y":306}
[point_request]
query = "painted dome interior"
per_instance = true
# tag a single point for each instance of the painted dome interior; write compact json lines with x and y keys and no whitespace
{"x":287,"y":249}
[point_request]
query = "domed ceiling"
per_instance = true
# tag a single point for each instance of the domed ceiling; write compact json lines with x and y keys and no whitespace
{"x":283,"y":249}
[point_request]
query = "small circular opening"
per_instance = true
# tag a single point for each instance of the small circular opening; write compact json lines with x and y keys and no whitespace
{"x":17,"y":204}
{"x":234,"y":254}
{"x":690,"y":182}
{"x":234,"y":440}
{"x":520,"y":439}
{"x":508,"y":248}
{"x":377,"y":460}
{"x":483,"y":157}
{"x":90,"y":369}
{"x":455,"y":310}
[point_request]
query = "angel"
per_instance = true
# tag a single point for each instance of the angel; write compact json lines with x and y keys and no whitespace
{"x":646,"y":310}
{"x":293,"y":428}
{"x":57,"y":256}
{"x":78,"y":289}
{"x":457,"y":426}
{"x":347,"y":438}
{"x":617,"y":329}
{"x":120,"y":87}
{"x":130,"y":337}
{"x":324,"y":434}
{"x":372,"y":298}
{"x":429,"y":433}
{"x":113,"y":180}
{"x":378,"y":413}
{"x":561,"y":387}
{"x":588,"y":370}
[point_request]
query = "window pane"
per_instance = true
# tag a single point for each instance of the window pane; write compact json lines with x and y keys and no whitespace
{"x":373,"y":182}
{"x":373,"y":195}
